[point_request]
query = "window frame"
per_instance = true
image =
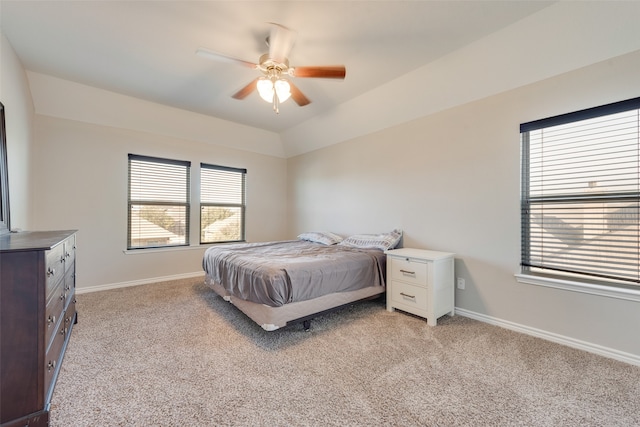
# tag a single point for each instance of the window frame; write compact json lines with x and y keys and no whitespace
{"x":242,"y":205}
{"x":592,"y":284}
{"x":186,"y":204}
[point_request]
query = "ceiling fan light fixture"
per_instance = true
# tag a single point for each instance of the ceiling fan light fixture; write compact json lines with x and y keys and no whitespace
{"x":283,"y":89}
{"x":274,"y":90}
{"x":265,"y":89}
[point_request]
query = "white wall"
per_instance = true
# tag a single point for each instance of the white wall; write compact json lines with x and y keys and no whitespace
{"x":56,"y":97}
{"x":564,"y":36}
{"x":16,"y":98}
{"x":451,"y":181}
{"x":81,"y":183}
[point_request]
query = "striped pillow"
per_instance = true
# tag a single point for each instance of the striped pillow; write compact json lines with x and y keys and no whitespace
{"x":381,"y":241}
{"x":324,"y":237}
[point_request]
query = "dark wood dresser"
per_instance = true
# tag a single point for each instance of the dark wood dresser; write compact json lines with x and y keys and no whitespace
{"x":37,"y":314}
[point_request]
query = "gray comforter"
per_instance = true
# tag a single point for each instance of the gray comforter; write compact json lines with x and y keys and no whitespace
{"x":277,"y":273}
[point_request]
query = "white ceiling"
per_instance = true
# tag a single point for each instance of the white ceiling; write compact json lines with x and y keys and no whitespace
{"x":146,"y":49}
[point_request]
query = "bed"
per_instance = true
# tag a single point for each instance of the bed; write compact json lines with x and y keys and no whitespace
{"x":283,"y":282}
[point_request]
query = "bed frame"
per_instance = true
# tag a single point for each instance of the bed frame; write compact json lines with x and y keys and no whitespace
{"x":272,"y":318}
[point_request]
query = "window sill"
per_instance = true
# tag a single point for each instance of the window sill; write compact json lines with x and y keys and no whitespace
{"x":168,"y":249}
{"x":585,"y":288}
{"x":177,"y":248}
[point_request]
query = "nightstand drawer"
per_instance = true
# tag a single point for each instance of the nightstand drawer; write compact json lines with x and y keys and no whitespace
{"x":406,"y":296}
{"x":409,"y":270}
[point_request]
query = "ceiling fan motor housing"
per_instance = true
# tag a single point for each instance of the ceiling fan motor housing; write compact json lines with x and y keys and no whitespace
{"x":271,"y":68}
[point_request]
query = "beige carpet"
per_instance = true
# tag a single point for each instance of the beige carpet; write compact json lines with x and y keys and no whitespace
{"x":175,"y":354}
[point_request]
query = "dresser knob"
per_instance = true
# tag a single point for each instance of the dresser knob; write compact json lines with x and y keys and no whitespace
{"x":51,"y":320}
{"x":51,"y":271}
{"x":51,"y":365}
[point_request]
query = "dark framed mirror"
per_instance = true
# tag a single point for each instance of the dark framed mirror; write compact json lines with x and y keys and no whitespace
{"x":5,"y":223}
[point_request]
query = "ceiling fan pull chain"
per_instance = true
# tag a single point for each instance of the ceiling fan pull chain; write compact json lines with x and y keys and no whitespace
{"x":276,"y":104}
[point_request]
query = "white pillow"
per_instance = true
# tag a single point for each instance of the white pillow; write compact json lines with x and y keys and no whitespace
{"x":381,"y":241}
{"x":324,"y":237}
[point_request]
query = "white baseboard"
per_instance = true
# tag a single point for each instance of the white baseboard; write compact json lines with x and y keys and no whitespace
{"x":622,"y":356}
{"x":138,"y":282}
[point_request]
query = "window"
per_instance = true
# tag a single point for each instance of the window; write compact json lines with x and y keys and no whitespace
{"x":222,"y":204}
{"x":158,"y":202}
{"x":580,"y":196}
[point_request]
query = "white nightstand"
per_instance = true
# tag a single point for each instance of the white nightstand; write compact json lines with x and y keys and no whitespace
{"x":420,"y":282}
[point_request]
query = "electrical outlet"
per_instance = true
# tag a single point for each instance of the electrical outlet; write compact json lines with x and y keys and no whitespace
{"x":461,"y":283}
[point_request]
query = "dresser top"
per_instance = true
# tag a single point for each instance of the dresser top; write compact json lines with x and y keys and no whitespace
{"x":418,"y":253}
{"x":32,"y":240}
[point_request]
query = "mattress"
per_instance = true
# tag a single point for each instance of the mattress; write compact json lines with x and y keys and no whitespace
{"x":285,"y":272}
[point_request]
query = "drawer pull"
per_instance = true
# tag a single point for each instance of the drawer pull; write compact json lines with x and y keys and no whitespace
{"x":51,"y":365}
{"x":51,"y":271}
{"x":407,"y":295}
{"x":408,"y":272}
{"x":51,"y":320}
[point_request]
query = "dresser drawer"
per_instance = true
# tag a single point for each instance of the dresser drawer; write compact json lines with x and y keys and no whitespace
{"x":409,"y":297}
{"x":54,"y":268}
{"x":69,"y":252}
{"x":55,"y":291}
{"x":70,"y":314}
{"x":409,"y":270}
{"x":69,"y":285}
{"x":52,"y":359}
{"x":54,"y":314}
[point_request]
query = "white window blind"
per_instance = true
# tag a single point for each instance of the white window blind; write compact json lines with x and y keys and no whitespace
{"x":222,"y":204}
{"x":158,"y":202}
{"x":581,"y":194}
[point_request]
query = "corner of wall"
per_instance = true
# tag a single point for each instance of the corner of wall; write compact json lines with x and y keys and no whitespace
{"x":15,"y":95}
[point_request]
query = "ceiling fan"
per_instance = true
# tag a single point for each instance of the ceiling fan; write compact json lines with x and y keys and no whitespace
{"x":274,"y":66}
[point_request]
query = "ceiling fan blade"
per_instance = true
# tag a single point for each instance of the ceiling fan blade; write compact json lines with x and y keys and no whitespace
{"x":245,"y":91}
{"x":210,"y":54}
{"x":331,"y":72}
{"x":298,"y":96}
{"x":280,"y":41}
